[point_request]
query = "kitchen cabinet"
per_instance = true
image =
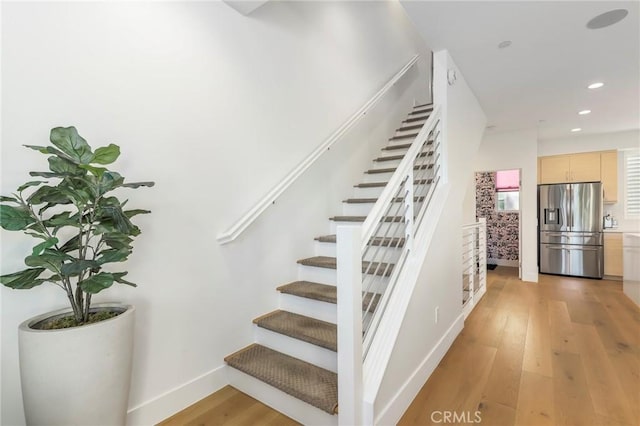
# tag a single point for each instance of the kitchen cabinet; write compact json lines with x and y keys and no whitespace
{"x":584,"y":167}
{"x":613,"y":254}
{"x":609,"y":175}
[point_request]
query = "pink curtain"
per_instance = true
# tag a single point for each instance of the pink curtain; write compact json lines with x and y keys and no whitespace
{"x":507,"y":180}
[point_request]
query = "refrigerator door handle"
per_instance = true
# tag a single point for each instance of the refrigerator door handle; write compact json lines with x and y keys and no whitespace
{"x":572,"y":248}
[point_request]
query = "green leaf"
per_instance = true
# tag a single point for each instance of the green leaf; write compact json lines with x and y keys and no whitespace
{"x":28,"y":184}
{"x":50,"y":242}
{"x":45,"y":174}
{"x":7,"y":199}
{"x":48,"y":194}
{"x":96,"y":171}
{"x":37,"y":235}
{"x":117,"y":240}
{"x":138,"y":184}
{"x":72,"y":144}
{"x":50,"y":259}
{"x":108,"y":182}
{"x":61,"y":220}
{"x":15,"y":218}
{"x":77,"y":266}
{"x":117,"y":276}
{"x":113,"y":255}
{"x":106,"y":154}
{"x":64,"y":167}
{"x":71,"y":245}
{"x":135,"y":212}
{"x":49,"y":150}
{"x":96,"y":283}
{"x":24,"y":279}
{"x":78,"y":196}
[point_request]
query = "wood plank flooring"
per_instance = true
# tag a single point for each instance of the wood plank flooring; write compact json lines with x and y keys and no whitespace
{"x":565,"y":351}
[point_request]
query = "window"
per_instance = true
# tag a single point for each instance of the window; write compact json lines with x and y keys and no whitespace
{"x":508,"y":190}
{"x":632,"y":184}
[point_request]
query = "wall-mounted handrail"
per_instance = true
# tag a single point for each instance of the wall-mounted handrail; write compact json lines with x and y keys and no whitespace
{"x":250,"y":216}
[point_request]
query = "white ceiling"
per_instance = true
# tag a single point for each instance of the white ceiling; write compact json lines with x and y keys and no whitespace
{"x":544,"y":73}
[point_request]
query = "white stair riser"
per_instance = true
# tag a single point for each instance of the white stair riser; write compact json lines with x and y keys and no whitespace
{"x":356,"y":209}
{"x":389,"y":253}
{"x":324,"y":311}
{"x":367,"y":192}
{"x":307,"y":352}
{"x":280,"y":401}
{"x":317,"y":275}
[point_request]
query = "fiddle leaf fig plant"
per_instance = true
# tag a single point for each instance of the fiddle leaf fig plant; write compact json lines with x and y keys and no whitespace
{"x":80,"y":226}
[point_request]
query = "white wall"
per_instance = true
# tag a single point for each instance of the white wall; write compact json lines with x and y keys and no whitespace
{"x":216,"y":108}
{"x":517,"y":150}
{"x":440,"y":281}
{"x":601,"y":142}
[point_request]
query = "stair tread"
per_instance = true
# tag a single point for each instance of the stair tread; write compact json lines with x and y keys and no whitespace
{"x":421,"y":110}
{"x":330,"y":263}
{"x":362,"y":218}
{"x":407,"y":128}
{"x":376,"y":241}
{"x":396,"y":157}
{"x":393,"y":169}
{"x":382,"y":184}
{"x":414,"y":119}
{"x":410,"y":135}
{"x":307,"y":329}
{"x":423,"y":105}
{"x":398,"y":146}
{"x":307,"y":382}
{"x":373,"y":200}
{"x":323,"y":292}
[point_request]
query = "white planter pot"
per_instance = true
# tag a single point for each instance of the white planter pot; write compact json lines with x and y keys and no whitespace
{"x":77,"y":376}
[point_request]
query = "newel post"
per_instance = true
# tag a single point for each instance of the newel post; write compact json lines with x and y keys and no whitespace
{"x":349,"y":293}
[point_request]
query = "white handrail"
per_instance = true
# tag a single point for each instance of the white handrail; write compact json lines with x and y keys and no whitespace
{"x":249,"y":217}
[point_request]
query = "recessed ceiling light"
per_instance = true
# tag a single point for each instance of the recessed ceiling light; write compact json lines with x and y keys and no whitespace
{"x":577,"y":129}
{"x":504,"y":44}
{"x":585,"y":112}
{"x":608,"y":18}
{"x":595,"y":85}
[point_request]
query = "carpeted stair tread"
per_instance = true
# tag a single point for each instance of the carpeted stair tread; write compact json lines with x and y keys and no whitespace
{"x":373,"y":200}
{"x":330,"y":263}
{"x":362,"y":218}
{"x":382,"y":184}
{"x":375,"y":241}
{"x":414,"y":119}
{"x":310,"y":330}
{"x":397,"y":157}
{"x":411,"y":135}
{"x":307,"y":382}
{"x":393,"y":169}
{"x":324,"y":293}
{"x":407,"y":128}
{"x":310,"y":290}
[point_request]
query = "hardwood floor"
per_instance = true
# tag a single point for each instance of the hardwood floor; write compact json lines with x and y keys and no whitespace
{"x":565,"y":351}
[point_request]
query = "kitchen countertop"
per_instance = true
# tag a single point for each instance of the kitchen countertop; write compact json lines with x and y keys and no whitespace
{"x":621,"y":230}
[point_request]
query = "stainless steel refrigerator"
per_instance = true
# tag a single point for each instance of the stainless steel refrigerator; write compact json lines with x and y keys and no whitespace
{"x":570,"y":229}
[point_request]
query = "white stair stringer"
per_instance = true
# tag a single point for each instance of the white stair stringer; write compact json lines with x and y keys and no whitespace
{"x":286,"y":404}
{"x":308,"y":352}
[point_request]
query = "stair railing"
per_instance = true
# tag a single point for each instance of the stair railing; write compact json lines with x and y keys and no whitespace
{"x":474,"y":263}
{"x":371,"y":258}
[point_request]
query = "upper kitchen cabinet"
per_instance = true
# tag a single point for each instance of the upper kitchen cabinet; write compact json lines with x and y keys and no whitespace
{"x":583,"y":167}
{"x":609,"y":175}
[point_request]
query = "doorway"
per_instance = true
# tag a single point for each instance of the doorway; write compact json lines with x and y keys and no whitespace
{"x":497,"y":196}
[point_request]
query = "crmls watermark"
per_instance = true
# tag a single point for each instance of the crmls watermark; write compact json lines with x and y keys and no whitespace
{"x":456,"y":417}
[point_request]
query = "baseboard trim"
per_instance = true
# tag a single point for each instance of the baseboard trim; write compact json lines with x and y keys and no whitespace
{"x":393,"y":411}
{"x":504,"y":262}
{"x":167,"y":404}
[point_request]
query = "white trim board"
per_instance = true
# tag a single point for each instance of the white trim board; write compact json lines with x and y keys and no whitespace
{"x":393,"y":411}
{"x":177,"y":399}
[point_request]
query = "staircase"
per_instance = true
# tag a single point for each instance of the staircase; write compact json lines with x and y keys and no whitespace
{"x":293,"y":364}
